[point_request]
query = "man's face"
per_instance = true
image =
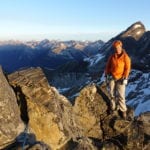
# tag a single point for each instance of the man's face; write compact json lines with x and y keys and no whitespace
{"x":118,"y":49}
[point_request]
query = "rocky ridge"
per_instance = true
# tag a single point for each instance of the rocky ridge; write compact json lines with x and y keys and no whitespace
{"x":87,"y":124}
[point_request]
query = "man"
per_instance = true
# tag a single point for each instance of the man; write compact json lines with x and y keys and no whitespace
{"x":117,"y":71}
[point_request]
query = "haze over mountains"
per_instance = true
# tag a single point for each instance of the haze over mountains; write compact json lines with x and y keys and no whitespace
{"x":70,"y":65}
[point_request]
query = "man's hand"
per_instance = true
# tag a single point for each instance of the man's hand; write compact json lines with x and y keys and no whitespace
{"x":125,"y":81}
{"x":108,"y":77}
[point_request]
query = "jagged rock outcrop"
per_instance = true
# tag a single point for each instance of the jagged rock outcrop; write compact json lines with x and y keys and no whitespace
{"x":145,"y":120}
{"x":93,"y":115}
{"x":39,"y":146}
{"x":10,"y":122}
{"x":135,"y":31}
{"x":49,"y":113}
{"x":88,"y":110}
{"x":84,"y":144}
{"x":89,"y":124}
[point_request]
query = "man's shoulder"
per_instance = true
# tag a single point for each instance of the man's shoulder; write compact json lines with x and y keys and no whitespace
{"x":112,"y":55}
{"x":126,"y":54}
{"x":127,"y":57}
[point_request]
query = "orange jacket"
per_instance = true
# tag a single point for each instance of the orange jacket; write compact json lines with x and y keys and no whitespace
{"x":118,"y":67}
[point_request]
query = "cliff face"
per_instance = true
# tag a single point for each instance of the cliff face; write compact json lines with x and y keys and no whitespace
{"x":49,"y":113}
{"x":135,"y":31}
{"x":88,"y":124}
{"x":11,"y":124}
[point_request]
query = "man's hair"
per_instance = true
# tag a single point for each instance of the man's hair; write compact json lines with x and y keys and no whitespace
{"x":116,"y":43}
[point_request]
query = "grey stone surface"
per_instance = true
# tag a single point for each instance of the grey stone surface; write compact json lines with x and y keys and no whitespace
{"x":10,"y":122}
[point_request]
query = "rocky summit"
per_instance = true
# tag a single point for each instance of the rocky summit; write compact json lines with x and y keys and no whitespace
{"x":48,"y":112}
{"x":53,"y":123}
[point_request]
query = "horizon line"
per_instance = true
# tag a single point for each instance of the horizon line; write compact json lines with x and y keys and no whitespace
{"x":105,"y":36}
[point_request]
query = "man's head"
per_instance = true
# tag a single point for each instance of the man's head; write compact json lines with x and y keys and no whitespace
{"x":117,"y":45}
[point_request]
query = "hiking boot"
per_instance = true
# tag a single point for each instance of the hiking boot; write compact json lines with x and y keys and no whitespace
{"x":124,"y":115}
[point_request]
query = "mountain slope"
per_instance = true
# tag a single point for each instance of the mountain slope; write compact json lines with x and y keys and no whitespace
{"x":136,"y":41}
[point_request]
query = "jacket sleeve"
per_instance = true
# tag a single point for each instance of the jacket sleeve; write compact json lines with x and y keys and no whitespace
{"x":108,"y":66}
{"x":127,"y":68}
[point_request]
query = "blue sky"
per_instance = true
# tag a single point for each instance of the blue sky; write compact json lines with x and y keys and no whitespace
{"x":70,"y":19}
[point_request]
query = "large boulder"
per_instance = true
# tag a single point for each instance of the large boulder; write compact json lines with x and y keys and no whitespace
{"x":89,"y":108}
{"x":145,"y":120}
{"x":11,"y":124}
{"x":49,"y":113}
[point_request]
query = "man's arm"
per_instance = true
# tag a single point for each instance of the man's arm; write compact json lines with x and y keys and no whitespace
{"x":108,"y":66}
{"x":127,"y":68}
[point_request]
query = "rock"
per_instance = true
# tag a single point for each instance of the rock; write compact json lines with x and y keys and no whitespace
{"x":145,"y":120}
{"x":135,"y":136}
{"x":123,"y":133}
{"x":121,"y":125}
{"x":50,"y":114}
{"x":89,"y":124}
{"x":39,"y":146}
{"x":27,"y":141}
{"x":109,"y":145}
{"x":127,"y":134}
{"x":10,"y":121}
{"x":85,"y":144}
{"x":136,"y":31}
{"x":89,"y":107}
{"x":108,"y":126}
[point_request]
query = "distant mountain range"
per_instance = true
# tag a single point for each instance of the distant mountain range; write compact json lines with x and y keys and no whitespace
{"x":136,"y":41}
{"x":46,"y":54}
{"x":70,"y":65}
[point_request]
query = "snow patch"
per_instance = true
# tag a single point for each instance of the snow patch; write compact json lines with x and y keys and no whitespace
{"x":138,"y":91}
{"x":62,"y":90}
{"x":94,"y":60}
{"x":142,"y":107}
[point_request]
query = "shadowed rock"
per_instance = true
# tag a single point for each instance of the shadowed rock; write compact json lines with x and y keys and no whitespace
{"x":145,"y":120}
{"x":10,"y":122}
{"x":39,"y":146}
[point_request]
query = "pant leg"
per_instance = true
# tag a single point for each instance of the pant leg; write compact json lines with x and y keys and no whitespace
{"x":120,"y":89}
{"x":112,"y":88}
{"x":112,"y":85}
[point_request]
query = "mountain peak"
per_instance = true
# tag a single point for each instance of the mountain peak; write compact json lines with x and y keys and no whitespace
{"x":136,"y":31}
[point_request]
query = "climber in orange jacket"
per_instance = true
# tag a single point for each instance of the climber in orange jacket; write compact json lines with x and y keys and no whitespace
{"x":117,"y":72}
